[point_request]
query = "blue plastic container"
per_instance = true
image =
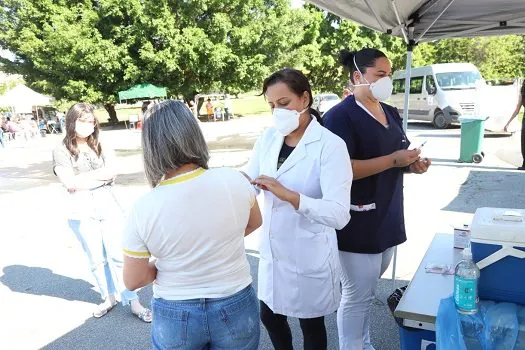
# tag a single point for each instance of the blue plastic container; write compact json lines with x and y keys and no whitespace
{"x":416,"y":339}
{"x":498,"y":247}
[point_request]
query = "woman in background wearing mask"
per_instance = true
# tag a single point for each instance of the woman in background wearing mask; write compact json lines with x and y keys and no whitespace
{"x":87,"y":170}
{"x":378,"y":146}
{"x":306,"y":176}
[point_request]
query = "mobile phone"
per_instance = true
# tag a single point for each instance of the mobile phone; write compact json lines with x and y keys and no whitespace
{"x":421,"y":145}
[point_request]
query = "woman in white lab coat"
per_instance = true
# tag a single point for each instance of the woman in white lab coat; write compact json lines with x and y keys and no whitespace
{"x":306,"y":175}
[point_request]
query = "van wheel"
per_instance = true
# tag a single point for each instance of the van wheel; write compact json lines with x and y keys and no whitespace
{"x":440,"y":121}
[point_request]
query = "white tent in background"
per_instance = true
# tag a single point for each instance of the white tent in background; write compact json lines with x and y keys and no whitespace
{"x":22,"y":99}
{"x":430,"y":20}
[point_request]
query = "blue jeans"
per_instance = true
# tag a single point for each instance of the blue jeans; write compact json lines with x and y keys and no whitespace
{"x":101,"y":241}
{"x":225,"y":323}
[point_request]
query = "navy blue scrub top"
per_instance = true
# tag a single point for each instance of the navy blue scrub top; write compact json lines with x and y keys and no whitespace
{"x":377,"y":212}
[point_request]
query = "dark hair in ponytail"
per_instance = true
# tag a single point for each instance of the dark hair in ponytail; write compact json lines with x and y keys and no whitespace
{"x":296,"y":81}
{"x":364,"y":58}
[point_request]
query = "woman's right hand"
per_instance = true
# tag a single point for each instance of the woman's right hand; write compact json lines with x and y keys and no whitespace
{"x":404,"y":157}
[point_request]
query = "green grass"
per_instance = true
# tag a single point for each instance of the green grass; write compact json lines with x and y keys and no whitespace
{"x":122,"y":114}
{"x":246,"y":105}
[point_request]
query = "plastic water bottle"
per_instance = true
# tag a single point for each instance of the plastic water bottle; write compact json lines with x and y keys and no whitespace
{"x":466,"y":284}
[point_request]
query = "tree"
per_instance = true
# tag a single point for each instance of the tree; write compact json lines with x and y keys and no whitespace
{"x":8,"y":85}
{"x":70,"y":49}
{"x":333,"y":34}
{"x":89,"y":50}
{"x":219,"y":45}
{"x":496,"y":57}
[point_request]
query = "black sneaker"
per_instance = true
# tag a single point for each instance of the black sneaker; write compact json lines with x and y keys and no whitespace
{"x":521,"y":167}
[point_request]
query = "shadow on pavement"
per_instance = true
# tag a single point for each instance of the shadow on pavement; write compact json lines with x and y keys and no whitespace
{"x":39,"y":170}
{"x":138,"y":178}
{"x":243,"y":141}
{"x":446,"y":162}
{"x":42,"y":281}
{"x":119,"y":329}
{"x":499,"y":189}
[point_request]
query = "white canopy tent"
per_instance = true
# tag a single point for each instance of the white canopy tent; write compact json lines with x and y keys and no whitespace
{"x":430,"y":20}
{"x":22,"y":99}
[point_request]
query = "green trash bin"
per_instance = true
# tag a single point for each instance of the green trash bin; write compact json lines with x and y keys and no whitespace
{"x":472,"y":132}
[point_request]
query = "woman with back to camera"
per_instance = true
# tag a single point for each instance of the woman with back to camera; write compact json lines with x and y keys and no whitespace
{"x":193,"y":222}
{"x":88,"y":170}
{"x":378,"y":147}
{"x":305,"y":173}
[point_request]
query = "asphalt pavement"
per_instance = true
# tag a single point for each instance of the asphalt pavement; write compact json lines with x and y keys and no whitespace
{"x":46,"y":289}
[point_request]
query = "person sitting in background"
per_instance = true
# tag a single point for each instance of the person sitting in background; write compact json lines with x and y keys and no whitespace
{"x":191,"y":106}
{"x":228,"y":109}
{"x":2,"y":138}
{"x":33,"y":127}
{"x":12,"y":127}
{"x":3,"y":124}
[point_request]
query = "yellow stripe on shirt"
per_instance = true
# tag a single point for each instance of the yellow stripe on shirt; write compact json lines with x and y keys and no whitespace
{"x":184,"y":177}
{"x":133,"y":254}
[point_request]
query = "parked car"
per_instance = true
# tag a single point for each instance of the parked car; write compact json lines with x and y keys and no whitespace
{"x":323,"y":102}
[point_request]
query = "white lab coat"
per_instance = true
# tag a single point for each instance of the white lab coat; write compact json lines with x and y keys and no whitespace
{"x":299,"y":261}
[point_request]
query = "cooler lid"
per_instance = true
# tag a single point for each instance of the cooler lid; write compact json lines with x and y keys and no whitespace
{"x":500,"y":225}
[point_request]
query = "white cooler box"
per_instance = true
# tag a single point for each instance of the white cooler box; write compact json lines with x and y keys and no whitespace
{"x":498,"y":247}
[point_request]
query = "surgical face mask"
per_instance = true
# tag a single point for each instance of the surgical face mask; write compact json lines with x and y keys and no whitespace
{"x":286,"y":120}
{"x":84,"y":129}
{"x":381,"y":89}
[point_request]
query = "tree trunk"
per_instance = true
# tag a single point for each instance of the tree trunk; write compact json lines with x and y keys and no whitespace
{"x":110,"y":108}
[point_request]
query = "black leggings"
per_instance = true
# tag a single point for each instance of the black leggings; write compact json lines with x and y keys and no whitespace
{"x":314,"y":330}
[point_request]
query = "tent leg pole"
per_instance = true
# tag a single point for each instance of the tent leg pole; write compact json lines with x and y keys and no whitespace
{"x":408,"y":69}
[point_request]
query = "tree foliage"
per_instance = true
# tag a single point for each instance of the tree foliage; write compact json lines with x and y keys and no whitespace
{"x":89,"y":50}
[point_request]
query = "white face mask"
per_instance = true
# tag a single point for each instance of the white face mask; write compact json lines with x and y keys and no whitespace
{"x":286,"y":120}
{"x":381,"y":89}
{"x":84,"y":129}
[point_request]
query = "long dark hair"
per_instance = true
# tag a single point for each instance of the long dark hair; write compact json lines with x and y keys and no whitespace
{"x":70,"y":140}
{"x":363,"y":58}
{"x":296,"y":81}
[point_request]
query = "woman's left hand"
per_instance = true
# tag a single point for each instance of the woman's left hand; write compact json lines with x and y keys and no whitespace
{"x":272,"y":185}
{"x":420,"y":166}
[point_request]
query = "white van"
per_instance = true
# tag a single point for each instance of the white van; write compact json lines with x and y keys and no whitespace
{"x":440,"y":93}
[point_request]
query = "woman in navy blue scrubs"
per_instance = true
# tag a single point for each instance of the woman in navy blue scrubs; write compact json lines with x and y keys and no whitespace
{"x":380,"y":156}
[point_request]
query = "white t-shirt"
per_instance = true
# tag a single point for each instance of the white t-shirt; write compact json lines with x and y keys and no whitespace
{"x":194,"y":225}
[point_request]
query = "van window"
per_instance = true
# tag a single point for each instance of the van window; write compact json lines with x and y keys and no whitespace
{"x":416,"y":85}
{"x":399,"y":86}
{"x":430,"y":84}
{"x":458,"y":80}
{"x":330,"y":97}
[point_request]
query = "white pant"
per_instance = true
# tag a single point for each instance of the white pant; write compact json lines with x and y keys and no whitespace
{"x":360,"y":274}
